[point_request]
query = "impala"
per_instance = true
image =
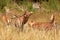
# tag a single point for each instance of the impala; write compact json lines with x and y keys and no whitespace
{"x":6,"y":19}
{"x":45,"y":25}
{"x":21,"y":20}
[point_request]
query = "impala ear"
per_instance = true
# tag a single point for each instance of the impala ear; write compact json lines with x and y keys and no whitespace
{"x":31,"y":12}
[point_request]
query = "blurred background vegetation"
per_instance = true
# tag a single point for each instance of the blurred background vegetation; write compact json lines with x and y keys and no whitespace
{"x":48,"y":4}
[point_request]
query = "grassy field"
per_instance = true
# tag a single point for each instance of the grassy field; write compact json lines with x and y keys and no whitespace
{"x":42,"y":15}
{"x":12,"y":33}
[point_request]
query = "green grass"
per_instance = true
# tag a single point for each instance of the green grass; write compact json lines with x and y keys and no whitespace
{"x":52,"y":5}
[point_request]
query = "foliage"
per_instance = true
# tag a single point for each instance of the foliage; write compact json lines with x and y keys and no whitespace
{"x":4,"y":3}
{"x":52,"y":5}
{"x":49,"y":4}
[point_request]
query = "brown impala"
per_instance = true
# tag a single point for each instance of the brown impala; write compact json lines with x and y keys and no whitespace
{"x":6,"y":19}
{"x":45,"y":25}
{"x":21,"y":20}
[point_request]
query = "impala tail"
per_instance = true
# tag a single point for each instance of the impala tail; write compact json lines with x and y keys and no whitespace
{"x":53,"y":20}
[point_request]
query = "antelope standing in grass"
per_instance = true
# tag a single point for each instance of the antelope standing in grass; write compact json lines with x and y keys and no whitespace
{"x":5,"y":17}
{"x":45,"y":25}
{"x":21,"y":20}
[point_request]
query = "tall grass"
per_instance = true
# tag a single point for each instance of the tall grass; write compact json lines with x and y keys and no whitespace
{"x":11,"y":33}
{"x":27,"y":4}
{"x":52,"y":5}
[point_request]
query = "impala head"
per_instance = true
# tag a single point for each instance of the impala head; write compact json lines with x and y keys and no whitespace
{"x":31,"y":22}
{"x":27,"y":14}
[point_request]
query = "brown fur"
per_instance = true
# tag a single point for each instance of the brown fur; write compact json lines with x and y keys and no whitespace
{"x":6,"y":19}
{"x":21,"y":20}
{"x":45,"y":25}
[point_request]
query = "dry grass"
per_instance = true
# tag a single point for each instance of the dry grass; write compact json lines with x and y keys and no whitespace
{"x":12,"y":33}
